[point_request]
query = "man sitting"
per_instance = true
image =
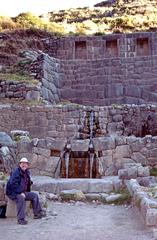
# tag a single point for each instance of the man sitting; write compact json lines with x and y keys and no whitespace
{"x":18,"y":190}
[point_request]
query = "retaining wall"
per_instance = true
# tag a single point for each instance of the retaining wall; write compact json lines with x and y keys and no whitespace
{"x":73,"y":121}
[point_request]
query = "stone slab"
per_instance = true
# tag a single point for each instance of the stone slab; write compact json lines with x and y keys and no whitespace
{"x":86,"y":185}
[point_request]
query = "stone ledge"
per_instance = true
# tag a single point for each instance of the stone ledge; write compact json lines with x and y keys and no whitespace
{"x":144,"y":200}
{"x":86,"y":185}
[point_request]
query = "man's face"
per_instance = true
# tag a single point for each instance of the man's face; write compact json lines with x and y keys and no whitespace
{"x":24,"y":166}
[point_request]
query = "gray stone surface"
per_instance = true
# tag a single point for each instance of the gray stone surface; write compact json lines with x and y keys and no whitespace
{"x":113,"y":198}
{"x":72,"y":194}
{"x":80,"y":145}
{"x":51,"y":185}
{"x":103,"y":143}
{"x":80,"y":221}
{"x":5,"y":139}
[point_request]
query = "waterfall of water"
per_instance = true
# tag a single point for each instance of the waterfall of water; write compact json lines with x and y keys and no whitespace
{"x":91,"y":159}
{"x":91,"y":123}
{"x":91,"y":154}
{"x":67,"y":156}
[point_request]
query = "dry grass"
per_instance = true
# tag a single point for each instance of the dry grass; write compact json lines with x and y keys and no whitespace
{"x":18,"y":77}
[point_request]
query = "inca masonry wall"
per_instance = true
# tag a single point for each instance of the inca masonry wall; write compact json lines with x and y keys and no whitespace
{"x":72,"y":121}
{"x":120,"y":134}
{"x":113,"y":69}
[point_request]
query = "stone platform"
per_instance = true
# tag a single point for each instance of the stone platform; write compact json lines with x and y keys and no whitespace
{"x":86,"y":185}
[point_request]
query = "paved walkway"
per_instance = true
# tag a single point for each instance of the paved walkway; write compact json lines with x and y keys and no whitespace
{"x":79,"y":221}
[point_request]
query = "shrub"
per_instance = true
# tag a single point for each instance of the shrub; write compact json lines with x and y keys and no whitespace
{"x":7,"y":23}
{"x":27,"y":20}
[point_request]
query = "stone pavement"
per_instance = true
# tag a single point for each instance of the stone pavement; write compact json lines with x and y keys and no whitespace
{"x":79,"y":221}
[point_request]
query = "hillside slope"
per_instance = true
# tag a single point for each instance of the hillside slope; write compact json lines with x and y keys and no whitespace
{"x":105,"y":17}
{"x":109,"y":16}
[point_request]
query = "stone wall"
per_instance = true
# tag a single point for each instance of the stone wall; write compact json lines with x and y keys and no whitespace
{"x":110,"y":81}
{"x":96,"y":82}
{"x":51,"y":79}
{"x":72,"y":121}
{"x":100,"y":47}
{"x":112,"y":154}
{"x":60,"y":129}
{"x":105,"y":70}
{"x":19,"y":90}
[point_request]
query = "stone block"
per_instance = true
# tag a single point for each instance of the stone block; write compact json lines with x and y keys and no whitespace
{"x":120,"y":140}
{"x":110,"y":170}
{"x":111,"y":128}
{"x":51,"y":165}
{"x":33,"y":95}
{"x":80,"y":145}
{"x":115,"y":90}
{"x":56,"y":144}
{"x":51,"y":196}
{"x":103,"y":143}
{"x":42,"y":143}
{"x":151,"y":217}
{"x":11,"y":208}
{"x":143,"y":171}
{"x":122,"y":151}
{"x":99,"y":186}
{"x":77,"y":184}
{"x":133,"y":186}
{"x":93,"y":196}
{"x":117,"y":118}
{"x":24,"y":147}
{"x":123,"y":174}
{"x":72,"y":194}
{"x":4,"y":151}
{"x":146,"y":181}
{"x":139,"y":158}
{"x":5,"y":139}
{"x":132,"y":172}
{"x":132,"y":91}
{"x":113,"y":198}
{"x":137,"y":146}
{"x":42,"y":151}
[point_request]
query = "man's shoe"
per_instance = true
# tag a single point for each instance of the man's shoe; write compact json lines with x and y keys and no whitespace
{"x":22,"y":221}
{"x":43,"y":213}
{"x":39,"y":215}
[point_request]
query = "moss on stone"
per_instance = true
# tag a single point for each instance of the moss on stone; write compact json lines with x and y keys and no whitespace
{"x":125,"y":197}
{"x":153,"y":171}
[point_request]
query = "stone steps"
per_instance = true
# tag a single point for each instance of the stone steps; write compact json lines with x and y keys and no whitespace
{"x":86,"y":185}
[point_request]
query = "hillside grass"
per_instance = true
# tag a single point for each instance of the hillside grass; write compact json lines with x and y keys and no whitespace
{"x":18,"y":77}
{"x":122,"y":16}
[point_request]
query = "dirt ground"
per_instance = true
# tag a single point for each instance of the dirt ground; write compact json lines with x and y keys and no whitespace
{"x":79,"y":221}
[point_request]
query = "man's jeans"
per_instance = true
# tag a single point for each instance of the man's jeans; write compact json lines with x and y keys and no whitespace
{"x":21,"y":204}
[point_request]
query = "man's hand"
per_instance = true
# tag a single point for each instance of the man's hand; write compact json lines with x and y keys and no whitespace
{"x":23,"y":195}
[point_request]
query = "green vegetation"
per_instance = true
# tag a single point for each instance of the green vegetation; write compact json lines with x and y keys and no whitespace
{"x":17,"y":77}
{"x":123,"y":16}
{"x":125,"y":197}
{"x":153,"y":171}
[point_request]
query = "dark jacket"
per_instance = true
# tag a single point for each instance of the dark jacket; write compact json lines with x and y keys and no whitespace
{"x":19,"y":182}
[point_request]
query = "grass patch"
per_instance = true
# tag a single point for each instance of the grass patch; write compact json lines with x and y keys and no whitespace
{"x":23,"y":102}
{"x":125,"y":198}
{"x":18,"y":77}
{"x":153,"y":171}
